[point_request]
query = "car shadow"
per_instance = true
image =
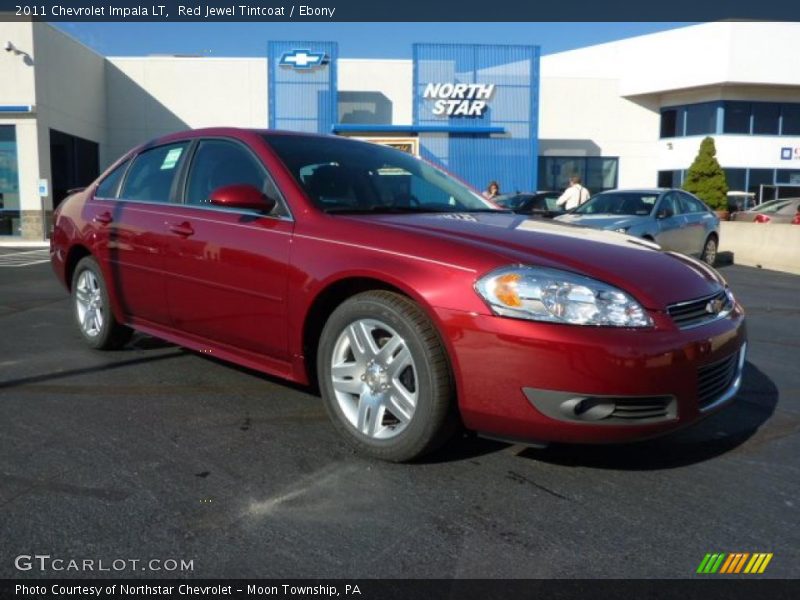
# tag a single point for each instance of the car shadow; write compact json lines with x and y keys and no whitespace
{"x":718,"y":434}
{"x":724,"y":259}
{"x":463,"y":446}
{"x":142,"y":341}
{"x":66,"y":374}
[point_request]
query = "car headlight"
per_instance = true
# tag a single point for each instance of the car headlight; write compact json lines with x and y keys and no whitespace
{"x":622,"y":229}
{"x":542,"y":294}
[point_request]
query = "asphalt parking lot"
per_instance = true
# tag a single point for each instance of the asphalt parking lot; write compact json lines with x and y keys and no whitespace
{"x":154,"y":452}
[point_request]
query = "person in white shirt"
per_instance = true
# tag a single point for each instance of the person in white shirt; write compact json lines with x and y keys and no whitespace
{"x":574,"y":195}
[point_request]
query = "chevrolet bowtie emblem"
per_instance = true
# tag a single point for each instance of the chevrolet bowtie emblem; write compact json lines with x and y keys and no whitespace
{"x":714,"y":307}
{"x":303,"y":59}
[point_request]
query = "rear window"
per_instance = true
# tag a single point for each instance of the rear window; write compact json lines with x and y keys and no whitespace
{"x":109,"y":187}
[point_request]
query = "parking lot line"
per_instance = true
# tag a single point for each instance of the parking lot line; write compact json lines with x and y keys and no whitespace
{"x":25,"y":258}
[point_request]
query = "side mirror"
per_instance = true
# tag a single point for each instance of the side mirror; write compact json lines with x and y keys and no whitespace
{"x":664,"y":213}
{"x":241,"y":196}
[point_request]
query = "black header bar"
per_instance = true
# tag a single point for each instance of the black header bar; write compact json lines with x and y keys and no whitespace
{"x":712,"y":588}
{"x":402,"y":10}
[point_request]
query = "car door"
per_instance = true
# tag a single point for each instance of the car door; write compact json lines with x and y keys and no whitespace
{"x":227,"y":268}
{"x":699,"y":223}
{"x":671,"y":223}
{"x":133,"y":232}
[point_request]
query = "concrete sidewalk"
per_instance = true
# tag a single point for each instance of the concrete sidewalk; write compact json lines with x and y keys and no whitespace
{"x":10,"y":242}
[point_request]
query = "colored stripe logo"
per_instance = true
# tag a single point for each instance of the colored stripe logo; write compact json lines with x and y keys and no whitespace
{"x":734,"y":563}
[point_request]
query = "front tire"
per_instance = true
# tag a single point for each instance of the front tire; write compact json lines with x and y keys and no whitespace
{"x":92,"y":310}
{"x":709,"y":255}
{"x":385,"y":377}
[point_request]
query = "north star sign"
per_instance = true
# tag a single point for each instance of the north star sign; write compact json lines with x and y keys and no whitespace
{"x":459,"y":99}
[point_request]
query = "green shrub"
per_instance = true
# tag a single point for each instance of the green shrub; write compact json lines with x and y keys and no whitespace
{"x":706,"y":179}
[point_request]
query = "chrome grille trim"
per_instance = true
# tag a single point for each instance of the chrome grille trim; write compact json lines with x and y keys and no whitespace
{"x":693,"y":313}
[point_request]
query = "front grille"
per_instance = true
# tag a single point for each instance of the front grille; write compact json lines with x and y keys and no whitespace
{"x":639,"y":409}
{"x":695,"y":312}
{"x":714,"y":379}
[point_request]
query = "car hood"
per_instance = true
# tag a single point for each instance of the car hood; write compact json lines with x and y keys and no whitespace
{"x":603,"y":221}
{"x":656,"y":278}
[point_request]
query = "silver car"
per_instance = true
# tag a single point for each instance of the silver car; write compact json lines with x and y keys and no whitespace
{"x":774,"y":211}
{"x":674,"y":219}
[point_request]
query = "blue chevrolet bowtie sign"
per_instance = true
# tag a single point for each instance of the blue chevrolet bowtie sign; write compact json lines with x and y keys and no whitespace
{"x":302,"y":59}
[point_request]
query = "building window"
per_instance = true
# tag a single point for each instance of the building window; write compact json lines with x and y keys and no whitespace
{"x":701,"y":118}
{"x":791,"y":119}
{"x":766,"y":116}
{"x":669,"y":122}
{"x":670,"y":179}
{"x":737,"y":179}
{"x":737,"y":117}
{"x":758,"y":177}
{"x":597,"y":173}
{"x":9,"y":182}
{"x":742,"y":118}
{"x":788,"y":176}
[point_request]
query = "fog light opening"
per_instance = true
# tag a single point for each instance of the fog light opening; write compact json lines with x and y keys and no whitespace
{"x":589,"y":409}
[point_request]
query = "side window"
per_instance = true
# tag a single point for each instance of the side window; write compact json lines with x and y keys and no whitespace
{"x":152,"y":173}
{"x":109,"y":187}
{"x":218,"y":163}
{"x":670,"y":202}
{"x":692,"y":205}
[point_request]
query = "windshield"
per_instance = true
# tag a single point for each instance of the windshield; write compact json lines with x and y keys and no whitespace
{"x":347,"y":176}
{"x":619,"y":203}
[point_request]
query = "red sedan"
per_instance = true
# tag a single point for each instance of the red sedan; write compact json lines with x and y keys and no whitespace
{"x":414,"y":304}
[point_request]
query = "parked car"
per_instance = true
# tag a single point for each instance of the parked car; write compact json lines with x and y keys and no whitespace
{"x":537,"y":204}
{"x":416,"y":305}
{"x":774,"y":211}
{"x":675,"y":219}
{"x":740,"y":201}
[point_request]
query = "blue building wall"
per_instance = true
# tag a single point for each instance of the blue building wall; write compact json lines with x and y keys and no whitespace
{"x":302,"y":98}
{"x":510,"y":157}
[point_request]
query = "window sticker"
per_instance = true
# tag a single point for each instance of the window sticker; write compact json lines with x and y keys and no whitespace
{"x":171,"y":159}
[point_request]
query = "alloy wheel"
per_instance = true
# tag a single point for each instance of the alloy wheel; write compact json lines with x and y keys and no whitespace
{"x":89,"y":304}
{"x":374,"y":378}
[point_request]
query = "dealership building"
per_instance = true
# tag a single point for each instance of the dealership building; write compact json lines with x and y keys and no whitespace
{"x":629,"y":113}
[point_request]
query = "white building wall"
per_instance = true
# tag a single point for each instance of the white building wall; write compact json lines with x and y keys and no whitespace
{"x":582,"y":116}
{"x":607,"y":98}
{"x":699,"y":55}
{"x":755,"y":152}
{"x":70,"y":94}
{"x":392,"y":78}
{"x":152,"y":96}
{"x":18,"y":70}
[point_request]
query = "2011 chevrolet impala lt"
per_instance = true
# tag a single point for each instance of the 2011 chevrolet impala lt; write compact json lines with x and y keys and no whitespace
{"x":415,"y":305}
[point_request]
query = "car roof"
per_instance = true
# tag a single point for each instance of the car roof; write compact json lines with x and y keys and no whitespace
{"x":643,"y":190}
{"x":234,"y":132}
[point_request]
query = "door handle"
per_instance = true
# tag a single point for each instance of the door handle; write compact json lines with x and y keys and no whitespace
{"x":183,"y":229}
{"x":104,"y":218}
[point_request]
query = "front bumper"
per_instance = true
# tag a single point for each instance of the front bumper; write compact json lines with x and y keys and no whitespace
{"x":524,"y":380}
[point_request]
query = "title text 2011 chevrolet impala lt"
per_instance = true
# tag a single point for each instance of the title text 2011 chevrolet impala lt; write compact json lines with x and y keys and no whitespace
{"x":414,"y":304}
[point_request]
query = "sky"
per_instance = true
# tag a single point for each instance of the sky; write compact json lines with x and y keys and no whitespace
{"x":356,"y":40}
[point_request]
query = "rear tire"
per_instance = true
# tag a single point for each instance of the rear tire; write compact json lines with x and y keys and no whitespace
{"x":385,"y":377}
{"x":709,"y":255}
{"x":92,"y":310}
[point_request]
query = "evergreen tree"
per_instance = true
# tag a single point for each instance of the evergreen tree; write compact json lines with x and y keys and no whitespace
{"x":706,"y":179}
